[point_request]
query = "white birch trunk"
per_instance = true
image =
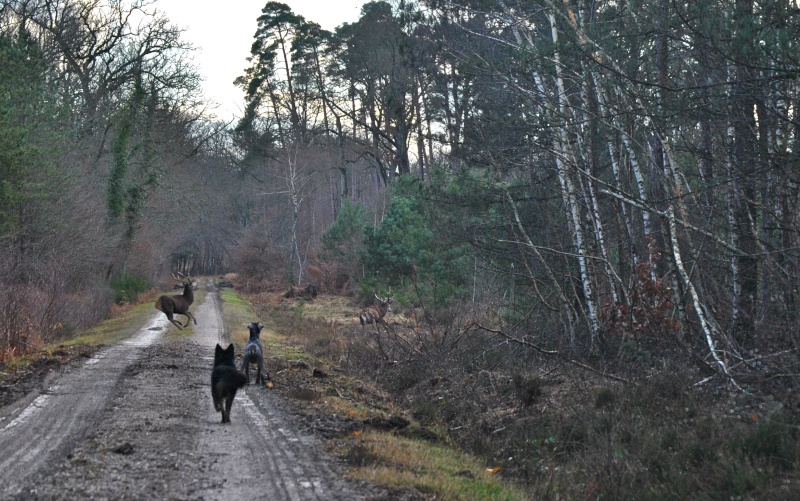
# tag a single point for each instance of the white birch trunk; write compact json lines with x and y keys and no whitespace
{"x":615,"y":168}
{"x":637,"y":173}
{"x":568,"y":192}
{"x":707,"y":324}
{"x":731,"y":207}
{"x":595,"y":209}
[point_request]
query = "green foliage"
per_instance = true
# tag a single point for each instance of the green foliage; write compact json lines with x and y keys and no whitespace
{"x":633,"y":352}
{"x":277,"y":25}
{"x":119,"y":168}
{"x":604,"y":398}
{"x":405,"y":250}
{"x":774,"y":441}
{"x":347,"y":232}
{"x":22,"y":108}
{"x":127,"y":192}
{"x":127,"y":287}
{"x":401,"y":243}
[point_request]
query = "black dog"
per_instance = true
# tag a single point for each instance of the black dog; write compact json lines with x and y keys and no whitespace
{"x":225,"y":380}
{"x":254,"y":353}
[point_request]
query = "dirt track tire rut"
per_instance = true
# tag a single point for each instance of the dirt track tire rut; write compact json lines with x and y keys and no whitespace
{"x":137,"y":422}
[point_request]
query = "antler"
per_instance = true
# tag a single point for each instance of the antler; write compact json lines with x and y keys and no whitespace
{"x":180,"y":277}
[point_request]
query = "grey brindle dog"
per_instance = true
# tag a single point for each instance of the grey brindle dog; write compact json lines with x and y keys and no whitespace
{"x":254,"y":353}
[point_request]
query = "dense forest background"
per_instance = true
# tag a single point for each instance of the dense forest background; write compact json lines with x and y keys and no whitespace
{"x":580,"y":176}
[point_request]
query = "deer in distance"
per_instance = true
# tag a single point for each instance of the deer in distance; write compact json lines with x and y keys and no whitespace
{"x":374,"y":314}
{"x":178,"y":305}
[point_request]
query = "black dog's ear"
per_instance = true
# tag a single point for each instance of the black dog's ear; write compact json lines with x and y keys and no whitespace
{"x":218,"y":349}
{"x":229,"y":348}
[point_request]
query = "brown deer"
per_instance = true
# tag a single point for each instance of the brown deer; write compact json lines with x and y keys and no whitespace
{"x":374,"y":314}
{"x":178,"y":305}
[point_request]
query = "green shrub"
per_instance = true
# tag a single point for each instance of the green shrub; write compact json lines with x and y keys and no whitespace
{"x":699,"y":454}
{"x":127,"y":287}
{"x":774,"y":441}
{"x":605,"y":398}
{"x":346,"y":234}
{"x":406,"y":251}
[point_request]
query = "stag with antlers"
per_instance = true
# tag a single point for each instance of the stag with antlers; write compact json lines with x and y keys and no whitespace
{"x":178,"y":305}
{"x":374,"y":314}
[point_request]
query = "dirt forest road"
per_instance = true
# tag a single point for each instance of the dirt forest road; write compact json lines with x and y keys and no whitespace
{"x":136,"y":421}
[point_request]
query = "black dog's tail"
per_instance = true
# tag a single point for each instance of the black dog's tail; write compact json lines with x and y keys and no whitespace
{"x":231,"y":381}
{"x":226,"y":379}
{"x":240,"y":380}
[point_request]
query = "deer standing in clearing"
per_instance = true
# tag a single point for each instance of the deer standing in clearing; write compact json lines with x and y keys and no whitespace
{"x":374,"y":314}
{"x":178,"y":305}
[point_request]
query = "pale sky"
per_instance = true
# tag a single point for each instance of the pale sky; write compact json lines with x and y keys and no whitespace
{"x":223,"y":32}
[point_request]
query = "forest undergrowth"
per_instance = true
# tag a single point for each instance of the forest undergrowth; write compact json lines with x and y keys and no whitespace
{"x":391,"y":401}
{"x":645,"y":423}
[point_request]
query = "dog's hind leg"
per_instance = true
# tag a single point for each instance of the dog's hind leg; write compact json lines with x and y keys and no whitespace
{"x":246,"y":367}
{"x":226,"y":413}
{"x":259,"y":374}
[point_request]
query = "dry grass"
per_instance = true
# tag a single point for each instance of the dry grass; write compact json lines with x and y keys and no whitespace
{"x":380,"y":442}
{"x":434,"y":470}
{"x":563,"y":432}
{"x":237,"y":313}
{"x":127,"y":320}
